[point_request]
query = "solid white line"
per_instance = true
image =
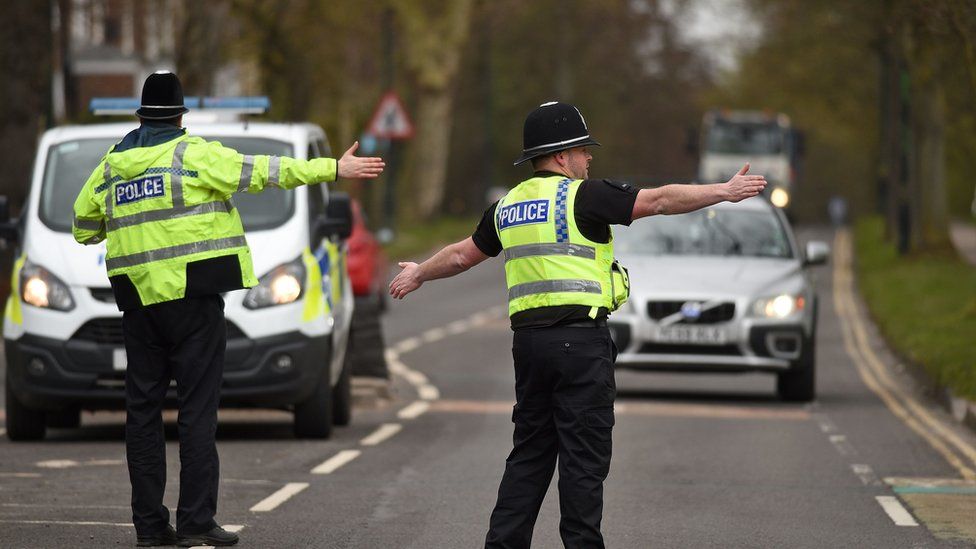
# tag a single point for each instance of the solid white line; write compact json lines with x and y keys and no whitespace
{"x":428,"y":392}
{"x":407,"y":345}
{"x":434,"y":334}
{"x":274,"y":500}
{"x":68,"y":522}
{"x":415,"y":378}
{"x":413,"y":410}
{"x":384,"y":432}
{"x":336,"y":461}
{"x":896,"y":511}
{"x":20,"y":475}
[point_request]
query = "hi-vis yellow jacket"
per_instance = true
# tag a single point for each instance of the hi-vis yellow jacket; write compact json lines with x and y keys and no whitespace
{"x":548,"y":261}
{"x":166,"y":209}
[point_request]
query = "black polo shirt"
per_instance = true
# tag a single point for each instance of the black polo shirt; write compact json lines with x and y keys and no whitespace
{"x":599,"y":204}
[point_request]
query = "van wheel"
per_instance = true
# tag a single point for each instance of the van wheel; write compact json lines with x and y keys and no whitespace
{"x":313,"y":417}
{"x":22,"y":422}
{"x":69,"y":418}
{"x":342,"y":394}
{"x":798,"y":384}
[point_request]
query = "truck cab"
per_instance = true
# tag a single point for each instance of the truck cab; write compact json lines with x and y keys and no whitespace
{"x":287,"y":338}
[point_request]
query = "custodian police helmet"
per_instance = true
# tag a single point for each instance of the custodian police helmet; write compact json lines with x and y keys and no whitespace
{"x":162,"y":97}
{"x":553,"y":127}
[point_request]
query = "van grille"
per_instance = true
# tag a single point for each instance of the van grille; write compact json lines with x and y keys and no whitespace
{"x":108,"y":331}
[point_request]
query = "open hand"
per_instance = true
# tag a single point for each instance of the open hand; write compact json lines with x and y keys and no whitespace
{"x":351,"y":166}
{"x":406,"y":281}
{"x":743,"y":186}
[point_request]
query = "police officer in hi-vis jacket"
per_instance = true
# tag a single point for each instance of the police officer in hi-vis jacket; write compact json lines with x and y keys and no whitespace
{"x":563,"y":282}
{"x":162,"y":199}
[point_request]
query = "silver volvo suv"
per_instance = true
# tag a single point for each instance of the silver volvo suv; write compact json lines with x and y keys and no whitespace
{"x":723,"y":289}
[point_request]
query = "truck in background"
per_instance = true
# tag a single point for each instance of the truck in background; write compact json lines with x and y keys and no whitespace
{"x":766,"y":140}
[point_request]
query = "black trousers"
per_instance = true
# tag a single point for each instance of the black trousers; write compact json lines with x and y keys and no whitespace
{"x":564,"y":389}
{"x":182,"y":340}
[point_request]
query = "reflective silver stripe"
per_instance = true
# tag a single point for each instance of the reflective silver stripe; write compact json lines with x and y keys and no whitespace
{"x":171,"y":213}
{"x":552,"y":248}
{"x":246,"y":168}
{"x":274,"y":165}
{"x":108,"y":192}
{"x":174,"y":251}
{"x":88,"y":224}
{"x":553,"y":286}
{"x":176,"y":178}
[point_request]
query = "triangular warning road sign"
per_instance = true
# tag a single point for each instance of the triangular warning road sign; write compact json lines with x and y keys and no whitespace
{"x":390,"y":121}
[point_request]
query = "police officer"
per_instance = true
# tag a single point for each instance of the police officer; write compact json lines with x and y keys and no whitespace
{"x":554,"y":229}
{"x":162,"y":199}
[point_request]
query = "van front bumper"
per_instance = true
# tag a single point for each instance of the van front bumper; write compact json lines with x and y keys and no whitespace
{"x":271,"y":372}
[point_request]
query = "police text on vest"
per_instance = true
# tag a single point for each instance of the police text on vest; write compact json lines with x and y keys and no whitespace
{"x":133,"y":191}
{"x":524,"y":213}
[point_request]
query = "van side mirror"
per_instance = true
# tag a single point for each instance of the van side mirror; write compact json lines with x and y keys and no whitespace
{"x":8,"y":229}
{"x":337,"y":221}
{"x":817,"y":253}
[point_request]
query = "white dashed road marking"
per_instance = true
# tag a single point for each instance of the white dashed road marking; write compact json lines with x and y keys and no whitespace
{"x":436,"y":334}
{"x":414,"y":410}
{"x":866,"y":474}
{"x":330,"y":465}
{"x":384,"y":432}
{"x":274,"y":500}
{"x":896,"y":511}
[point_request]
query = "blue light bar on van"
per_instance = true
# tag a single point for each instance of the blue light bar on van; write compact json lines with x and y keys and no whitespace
{"x":126,"y":106}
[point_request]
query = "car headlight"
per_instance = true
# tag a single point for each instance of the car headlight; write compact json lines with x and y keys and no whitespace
{"x":779,"y":197}
{"x":283,"y":284}
{"x":780,"y":306}
{"x":40,"y":288}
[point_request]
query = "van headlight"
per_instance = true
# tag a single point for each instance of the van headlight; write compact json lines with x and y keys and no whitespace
{"x":283,"y":284}
{"x":780,"y":306}
{"x":40,"y":288}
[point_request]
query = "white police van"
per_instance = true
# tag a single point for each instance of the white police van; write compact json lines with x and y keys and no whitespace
{"x":287,"y":338}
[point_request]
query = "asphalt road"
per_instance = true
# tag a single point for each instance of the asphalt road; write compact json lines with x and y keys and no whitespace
{"x":699,"y":461}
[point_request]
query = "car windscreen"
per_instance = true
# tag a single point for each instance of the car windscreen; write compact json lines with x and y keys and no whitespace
{"x":69,"y":164}
{"x":743,"y":138}
{"x":707,"y":232}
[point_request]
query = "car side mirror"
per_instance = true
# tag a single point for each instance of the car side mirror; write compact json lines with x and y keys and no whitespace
{"x":337,"y":221}
{"x":9,"y":232}
{"x":817,"y":253}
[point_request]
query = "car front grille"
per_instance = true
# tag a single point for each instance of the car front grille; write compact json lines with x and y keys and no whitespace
{"x":108,"y":331}
{"x":722,"y":312}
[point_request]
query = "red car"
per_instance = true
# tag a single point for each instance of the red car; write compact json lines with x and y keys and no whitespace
{"x":366,"y":261}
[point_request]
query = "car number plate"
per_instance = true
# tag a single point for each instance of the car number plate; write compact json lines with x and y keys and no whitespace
{"x":708,"y":335}
{"x":119,"y":360}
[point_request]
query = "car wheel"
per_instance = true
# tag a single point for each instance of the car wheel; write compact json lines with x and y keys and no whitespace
{"x":69,"y":418}
{"x":22,"y":422}
{"x":342,"y":394}
{"x":313,"y":417}
{"x":798,"y":384}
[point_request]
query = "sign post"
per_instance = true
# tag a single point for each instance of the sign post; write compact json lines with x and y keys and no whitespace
{"x":390,"y":122}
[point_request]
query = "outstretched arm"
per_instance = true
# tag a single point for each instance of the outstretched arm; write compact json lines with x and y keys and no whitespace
{"x":676,"y":199}
{"x":451,"y":260}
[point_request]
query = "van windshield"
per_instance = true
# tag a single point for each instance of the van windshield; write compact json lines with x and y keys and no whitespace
{"x":70,"y":163}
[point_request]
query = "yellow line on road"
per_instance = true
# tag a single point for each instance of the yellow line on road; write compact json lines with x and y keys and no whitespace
{"x":875,"y":375}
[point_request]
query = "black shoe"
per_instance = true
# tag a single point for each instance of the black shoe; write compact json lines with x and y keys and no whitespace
{"x":217,"y":537}
{"x":166,"y":537}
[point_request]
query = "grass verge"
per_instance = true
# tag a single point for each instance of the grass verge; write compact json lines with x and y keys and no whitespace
{"x":925,"y":305}
{"x":412,"y":242}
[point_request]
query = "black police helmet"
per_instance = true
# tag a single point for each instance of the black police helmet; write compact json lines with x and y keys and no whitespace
{"x":162,"y":97}
{"x":553,"y":127}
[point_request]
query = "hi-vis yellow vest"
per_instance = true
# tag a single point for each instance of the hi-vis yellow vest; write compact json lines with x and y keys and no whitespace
{"x":164,"y":206}
{"x":548,"y":261}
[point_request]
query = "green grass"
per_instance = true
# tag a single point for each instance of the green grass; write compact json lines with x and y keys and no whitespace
{"x":925,"y":305}
{"x":419,"y":241}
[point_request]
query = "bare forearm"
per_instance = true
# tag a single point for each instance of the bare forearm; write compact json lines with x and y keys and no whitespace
{"x":677,"y":199}
{"x":445,"y":263}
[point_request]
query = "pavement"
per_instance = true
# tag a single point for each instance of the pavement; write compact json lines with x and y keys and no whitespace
{"x":963,"y":236}
{"x":699,"y":460}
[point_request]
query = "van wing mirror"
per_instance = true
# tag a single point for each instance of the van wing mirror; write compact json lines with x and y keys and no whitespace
{"x":8,"y":229}
{"x":337,"y":221}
